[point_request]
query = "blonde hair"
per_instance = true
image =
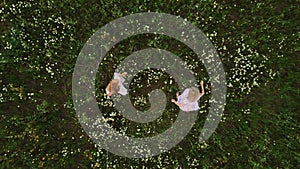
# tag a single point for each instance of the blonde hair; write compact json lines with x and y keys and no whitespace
{"x":194,"y":94}
{"x":114,"y":87}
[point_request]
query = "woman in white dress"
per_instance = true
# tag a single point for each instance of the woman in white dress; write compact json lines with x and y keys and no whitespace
{"x":116,"y":85}
{"x":188,"y":100}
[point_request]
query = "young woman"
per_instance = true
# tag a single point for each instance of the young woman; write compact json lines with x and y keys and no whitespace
{"x":188,"y":100}
{"x":116,"y":85}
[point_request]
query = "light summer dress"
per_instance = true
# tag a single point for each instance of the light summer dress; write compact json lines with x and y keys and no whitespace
{"x":123,"y":90}
{"x":187,"y":105}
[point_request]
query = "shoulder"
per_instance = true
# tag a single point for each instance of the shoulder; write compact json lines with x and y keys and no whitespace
{"x":119,"y":77}
{"x":186,"y":92}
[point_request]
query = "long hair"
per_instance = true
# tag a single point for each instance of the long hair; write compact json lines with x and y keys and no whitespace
{"x":194,"y":94}
{"x":114,"y":87}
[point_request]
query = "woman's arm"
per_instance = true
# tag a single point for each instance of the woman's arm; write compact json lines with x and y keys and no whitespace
{"x":178,"y":104}
{"x":124,"y":74}
{"x":202,"y":88}
{"x":108,"y":92}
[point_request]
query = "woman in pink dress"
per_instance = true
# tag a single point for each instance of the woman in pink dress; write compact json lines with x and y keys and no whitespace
{"x":188,"y":100}
{"x":116,"y":85}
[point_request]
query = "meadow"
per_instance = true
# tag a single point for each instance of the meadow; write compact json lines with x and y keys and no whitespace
{"x":257,"y":42}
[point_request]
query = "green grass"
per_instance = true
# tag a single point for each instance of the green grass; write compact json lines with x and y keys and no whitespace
{"x":40,"y":42}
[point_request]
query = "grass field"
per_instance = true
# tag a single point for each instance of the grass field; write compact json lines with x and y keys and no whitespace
{"x":258,"y":44}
